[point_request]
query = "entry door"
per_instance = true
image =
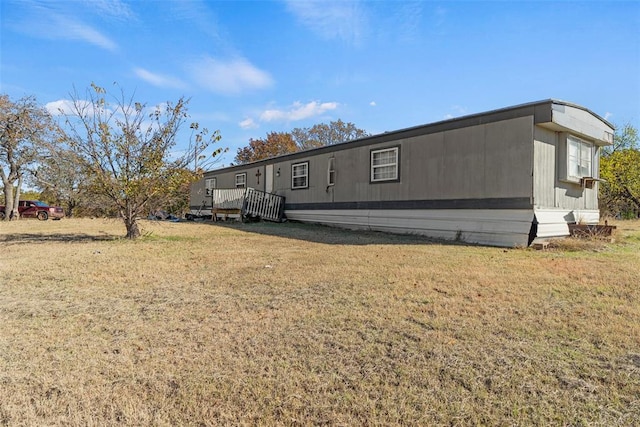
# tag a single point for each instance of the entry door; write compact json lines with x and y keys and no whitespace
{"x":268,"y":179}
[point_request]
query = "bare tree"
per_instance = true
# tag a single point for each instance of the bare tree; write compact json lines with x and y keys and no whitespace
{"x":61,"y":178}
{"x":25,"y":131}
{"x":126,"y":150}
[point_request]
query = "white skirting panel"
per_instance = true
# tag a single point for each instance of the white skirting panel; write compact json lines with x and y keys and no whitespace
{"x":494,"y":227}
{"x":555,"y":222}
{"x":586,"y":216}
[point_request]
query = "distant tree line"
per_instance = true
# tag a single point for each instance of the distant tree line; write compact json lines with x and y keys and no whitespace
{"x":278,"y":143}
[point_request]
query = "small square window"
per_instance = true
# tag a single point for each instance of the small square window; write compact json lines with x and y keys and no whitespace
{"x":241,"y":180}
{"x":300,"y":175}
{"x":384,"y":165}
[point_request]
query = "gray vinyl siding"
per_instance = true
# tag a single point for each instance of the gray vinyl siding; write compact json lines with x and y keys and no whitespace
{"x":544,"y":171}
{"x":454,"y":164}
{"x":505,"y":154}
{"x":492,"y":160}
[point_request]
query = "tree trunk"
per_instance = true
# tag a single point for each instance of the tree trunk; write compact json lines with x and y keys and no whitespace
{"x":130,"y":218}
{"x":133,"y":231}
{"x":10,"y":202}
{"x":15,"y":214}
{"x":632,"y":198}
{"x":71,"y":204}
{"x":8,"y":199}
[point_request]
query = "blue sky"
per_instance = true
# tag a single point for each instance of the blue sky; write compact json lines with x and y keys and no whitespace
{"x":252,"y":67}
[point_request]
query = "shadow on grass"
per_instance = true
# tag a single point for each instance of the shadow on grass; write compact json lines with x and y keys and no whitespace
{"x":329,"y":235}
{"x":15,"y":238}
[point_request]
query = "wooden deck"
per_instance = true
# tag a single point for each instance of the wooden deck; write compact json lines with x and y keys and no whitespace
{"x":246,"y":203}
{"x":224,"y":212}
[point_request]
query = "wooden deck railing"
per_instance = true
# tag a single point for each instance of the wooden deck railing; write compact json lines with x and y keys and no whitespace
{"x":227,"y":198}
{"x":247,"y":202}
{"x":266,"y":206}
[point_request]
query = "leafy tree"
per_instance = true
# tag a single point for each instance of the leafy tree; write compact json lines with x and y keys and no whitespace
{"x":327,"y":134}
{"x":624,"y":138}
{"x":176,"y":198}
{"x":26,"y":131}
{"x":278,"y":143}
{"x":126,"y":151}
{"x":275,"y":144}
{"x":61,"y":178}
{"x":620,"y":170}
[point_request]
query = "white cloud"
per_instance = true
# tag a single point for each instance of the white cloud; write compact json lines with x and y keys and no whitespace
{"x":298,"y":111}
{"x":373,"y":103}
{"x":73,"y":30}
{"x":200,"y":16}
{"x":608,"y":115}
{"x":230,"y":77}
{"x":59,"y":21}
{"x":248,"y":124}
{"x":457,"y":112}
{"x":61,"y":107}
{"x":343,"y":20}
{"x":67,"y":107}
{"x":159,"y":80}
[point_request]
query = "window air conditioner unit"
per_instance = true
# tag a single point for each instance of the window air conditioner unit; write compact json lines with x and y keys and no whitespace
{"x":588,"y":181}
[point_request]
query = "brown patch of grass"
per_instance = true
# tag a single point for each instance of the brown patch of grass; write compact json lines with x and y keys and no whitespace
{"x":581,"y":244}
{"x":283,"y":324}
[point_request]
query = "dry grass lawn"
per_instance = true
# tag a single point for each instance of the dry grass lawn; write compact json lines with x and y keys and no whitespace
{"x":199,"y":324}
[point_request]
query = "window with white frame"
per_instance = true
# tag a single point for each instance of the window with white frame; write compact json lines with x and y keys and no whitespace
{"x":384,"y":164}
{"x":331,"y":171}
{"x":241,"y":180}
{"x":579,"y":158}
{"x":300,"y":175}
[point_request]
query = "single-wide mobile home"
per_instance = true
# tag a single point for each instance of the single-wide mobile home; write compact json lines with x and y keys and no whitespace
{"x":505,"y":177}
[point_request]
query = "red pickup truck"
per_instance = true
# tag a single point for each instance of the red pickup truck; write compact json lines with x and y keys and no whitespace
{"x":36,"y":209}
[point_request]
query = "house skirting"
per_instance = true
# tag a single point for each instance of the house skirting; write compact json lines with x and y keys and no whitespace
{"x":555,"y":222}
{"x":494,"y":227}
